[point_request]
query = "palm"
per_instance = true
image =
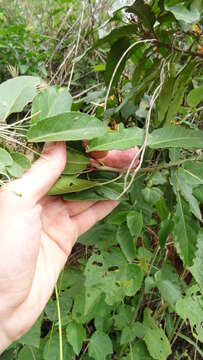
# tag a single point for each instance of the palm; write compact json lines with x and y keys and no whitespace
{"x":45,"y":235}
{"x":37,"y":235}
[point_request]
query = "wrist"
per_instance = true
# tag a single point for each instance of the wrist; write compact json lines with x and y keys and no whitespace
{"x":4,"y":341}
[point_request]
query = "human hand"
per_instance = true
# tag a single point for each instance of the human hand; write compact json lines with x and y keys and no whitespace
{"x":114,"y":159}
{"x":37,"y":233}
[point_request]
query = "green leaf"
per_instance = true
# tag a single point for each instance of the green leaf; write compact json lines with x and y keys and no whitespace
{"x":5,"y":158}
{"x":167,"y":137}
{"x":144,"y":12}
{"x":111,"y":274}
{"x":116,"y":34}
{"x":65,"y":306}
{"x":116,"y":52}
{"x":16,"y":93}
{"x":20,"y":164}
{"x":70,"y":126}
{"x":119,"y":5}
{"x":127,"y":335}
{"x":179,"y":89}
{"x":76,"y":162}
{"x":135,"y":223}
{"x":84,"y":195}
{"x":166,"y":228}
{"x":126,"y":242}
{"x":32,"y":337}
{"x":198,"y":193}
{"x":186,"y":191}
{"x":176,"y":137}
{"x":100,"y":346}
{"x":69,"y":184}
{"x":168,"y":284}
{"x":190,"y":307}
{"x":21,"y":160}
{"x":155,"y":338}
{"x":152,"y":195}
{"x":140,"y":352}
{"x":28,"y":353}
{"x":119,"y":140}
{"x":123,"y":317}
{"x":192,"y":173}
{"x":165,"y":99}
{"x":52,"y":349}
{"x":197,"y":267}
{"x":76,"y":334}
{"x":181,"y":13}
{"x":195,"y":96}
{"x":185,"y":232}
{"x":51,"y":102}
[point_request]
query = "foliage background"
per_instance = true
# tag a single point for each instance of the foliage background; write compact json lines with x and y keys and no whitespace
{"x":132,"y":288}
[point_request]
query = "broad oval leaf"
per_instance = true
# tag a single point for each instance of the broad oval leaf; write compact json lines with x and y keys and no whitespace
{"x":157,"y":343}
{"x":51,"y":102}
{"x":69,"y":184}
{"x":100,"y":346}
{"x":70,"y":126}
{"x":176,"y":136}
{"x":16,"y":93}
{"x":51,"y":349}
{"x":190,"y":307}
{"x":5,"y":158}
{"x":126,"y":242}
{"x":19,"y":165}
{"x":76,"y":162}
{"x":118,"y":140}
{"x":192,"y":173}
{"x":75,"y":334}
{"x":168,"y":284}
{"x":27,"y":353}
{"x":181,"y":13}
{"x":195,"y":96}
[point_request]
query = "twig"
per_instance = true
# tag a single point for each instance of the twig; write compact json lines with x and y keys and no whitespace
{"x":86,"y":90}
{"x":118,"y":64}
{"x":77,"y":44}
{"x":142,"y":150}
{"x":62,"y":64}
{"x":179,"y":330}
{"x":182,"y":51}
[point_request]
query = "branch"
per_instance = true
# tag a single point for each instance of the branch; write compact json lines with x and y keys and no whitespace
{"x":143,"y":148}
{"x":182,"y":51}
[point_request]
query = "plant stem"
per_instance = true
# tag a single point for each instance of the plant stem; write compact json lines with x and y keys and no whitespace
{"x":60,"y":324}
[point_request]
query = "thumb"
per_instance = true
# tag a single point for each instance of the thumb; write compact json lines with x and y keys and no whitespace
{"x":37,"y":181}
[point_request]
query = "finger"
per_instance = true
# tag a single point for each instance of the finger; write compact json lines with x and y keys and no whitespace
{"x":91,"y":216}
{"x":72,"y":207}
{"x":37,"y":181}
{"x":75,"y":208}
